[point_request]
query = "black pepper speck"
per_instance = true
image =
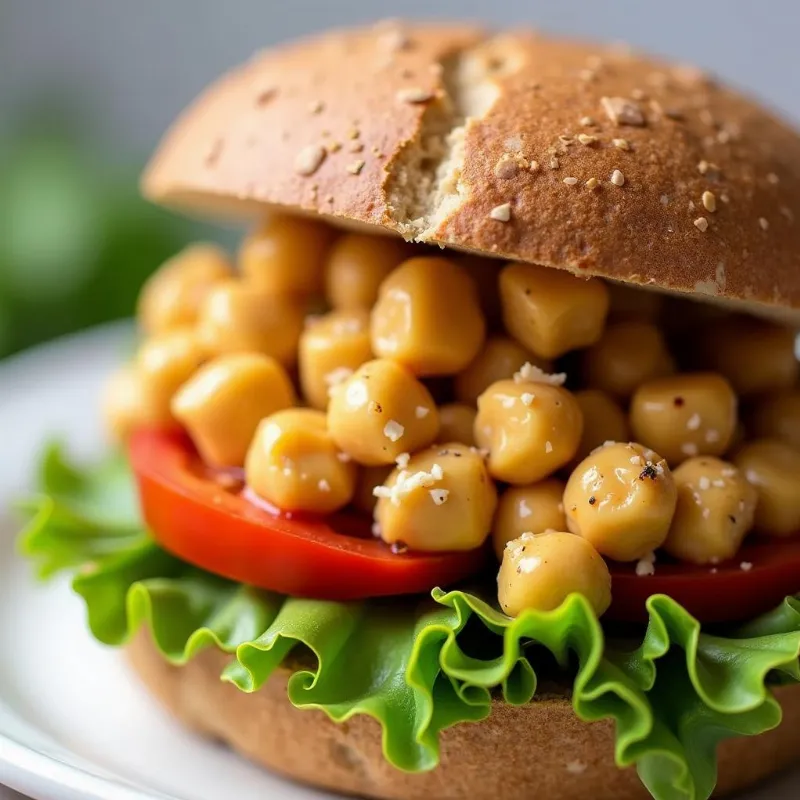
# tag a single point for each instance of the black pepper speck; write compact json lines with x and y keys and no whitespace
{"x":648,"y":472}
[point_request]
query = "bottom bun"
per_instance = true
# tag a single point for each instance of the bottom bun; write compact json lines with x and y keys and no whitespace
{"x":541,"y":745}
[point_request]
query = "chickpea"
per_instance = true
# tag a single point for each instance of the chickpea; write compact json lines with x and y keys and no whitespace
{"x":381,"y":411}
{"x":773,"y":469}
{"x":630,"y":302}
{"x":442,"y":500}
{"x":368,"y":478}
{"x":603,"y":421}
{"x":356,"y":267}
{"x":331,"y":348}
{"x":627,"y":355}
{"x":223,"y":402}
{"x":530,"y":429}
{"x":550,"y":311}
{"x":528,"y":509}
{"x":457,"y":423}
{"x":777,"y":416}
{"x":621,"y":499}
{"x":539,"y":571}
{"x":685,"y":415}
{"x":286,"y":256}
{"x":163,"y":364}
{"x":238,"y":317}
{"x":294,"y":463}
{"x":123,"y":404}
{"x":172,"y":296}
{"x":714,"y":511}
{"x":499,"y":358}
{"x":428,"y":317}
{"x":754,"y":355}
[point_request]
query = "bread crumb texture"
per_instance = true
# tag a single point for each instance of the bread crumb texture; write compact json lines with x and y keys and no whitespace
{"x":452,"y":123}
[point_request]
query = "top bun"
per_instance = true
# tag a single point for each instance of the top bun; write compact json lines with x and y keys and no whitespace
{"x":571,"y":155}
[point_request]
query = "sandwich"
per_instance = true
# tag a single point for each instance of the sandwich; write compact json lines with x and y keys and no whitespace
{"x":474,"y":473}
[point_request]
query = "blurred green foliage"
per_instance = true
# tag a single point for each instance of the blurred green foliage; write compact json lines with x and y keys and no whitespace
{"x":76,"y":240}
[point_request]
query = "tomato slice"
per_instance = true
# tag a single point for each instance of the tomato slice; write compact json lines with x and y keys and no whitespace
{"x":203,"y":518}
{"x":194,"y":516}
{"x":763,"y":573}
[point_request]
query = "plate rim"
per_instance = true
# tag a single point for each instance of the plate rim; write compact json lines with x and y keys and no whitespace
{"x":38,"y":774}
{"x":114,"y":328}
{"x":22,"y":767}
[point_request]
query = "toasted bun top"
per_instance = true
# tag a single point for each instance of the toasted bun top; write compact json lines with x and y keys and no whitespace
{"x":493,"y":143}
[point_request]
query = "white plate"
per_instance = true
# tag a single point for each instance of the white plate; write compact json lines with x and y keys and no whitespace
{"x":73,"y":722}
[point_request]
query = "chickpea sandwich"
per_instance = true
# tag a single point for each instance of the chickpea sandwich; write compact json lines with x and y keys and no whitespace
{"x":507,"y":358}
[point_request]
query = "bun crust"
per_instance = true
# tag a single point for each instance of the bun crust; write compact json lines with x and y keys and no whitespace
{"x":432,"y":131}
{"x":542,"y":744}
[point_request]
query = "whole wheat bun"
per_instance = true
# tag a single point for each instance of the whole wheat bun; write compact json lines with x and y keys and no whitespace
{"x":539,"y":749}
{"x":594,"y":160}
{"x":425,"y":129}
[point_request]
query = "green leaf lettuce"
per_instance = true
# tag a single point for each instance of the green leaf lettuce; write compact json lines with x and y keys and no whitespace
{"x":419,"y":666}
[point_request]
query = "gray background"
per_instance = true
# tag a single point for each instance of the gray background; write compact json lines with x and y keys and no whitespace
{"x":137,"y":63}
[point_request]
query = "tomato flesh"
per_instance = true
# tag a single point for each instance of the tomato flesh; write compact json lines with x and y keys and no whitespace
{"x":203,"y":521}
{"x":758,"y":579}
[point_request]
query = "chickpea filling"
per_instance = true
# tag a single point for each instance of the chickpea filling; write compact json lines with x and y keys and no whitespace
{"x":584,"y":423}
